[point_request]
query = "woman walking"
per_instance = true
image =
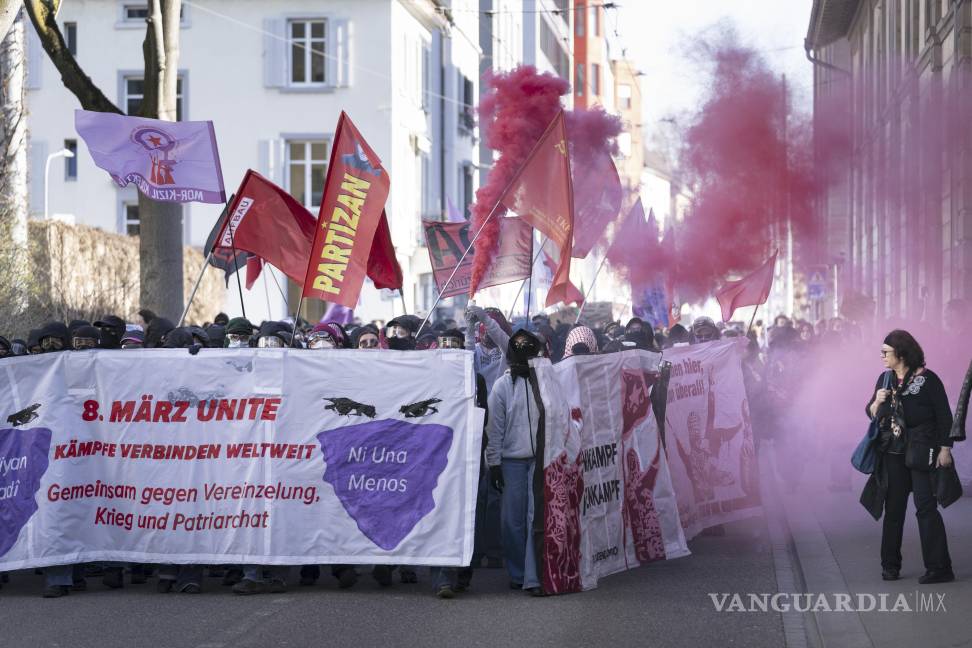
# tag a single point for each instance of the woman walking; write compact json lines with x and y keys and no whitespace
{"x":915,"y":421}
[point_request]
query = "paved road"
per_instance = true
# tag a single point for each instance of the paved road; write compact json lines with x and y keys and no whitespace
{"x":664,"y":604}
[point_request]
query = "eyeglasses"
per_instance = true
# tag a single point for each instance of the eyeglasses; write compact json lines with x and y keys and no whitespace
{"x":885,"y":352}
{"x":368,"y":342}
{"x":396,"y":331}
{"x":238,"y":337}
{"x":320,"y":340}
{"x":270,"y":342}
{"x":449,"y":343}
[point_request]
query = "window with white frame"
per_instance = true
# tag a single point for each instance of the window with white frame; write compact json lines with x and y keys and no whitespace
{"x":427,"y":291}
{"x":306,"y":167}
{"x":579,"y":80}
{"x":595,"y":79}
{"x":308,"y":48}
{"x":134,"y":93}
{"x":138,"y":12}
{"x":624,"y":96}
{"x":131,"y":218}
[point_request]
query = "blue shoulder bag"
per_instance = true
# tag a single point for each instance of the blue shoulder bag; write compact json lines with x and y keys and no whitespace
{"x":864,"y":458}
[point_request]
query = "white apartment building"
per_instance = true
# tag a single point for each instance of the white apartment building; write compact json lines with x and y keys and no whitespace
{"x":406,"y":71}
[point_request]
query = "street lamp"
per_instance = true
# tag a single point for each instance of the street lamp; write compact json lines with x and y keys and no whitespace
{"x":47,"y":169}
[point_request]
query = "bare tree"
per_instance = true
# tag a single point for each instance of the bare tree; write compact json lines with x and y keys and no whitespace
{"x":160,"y":223}
{"x":13,"y":173}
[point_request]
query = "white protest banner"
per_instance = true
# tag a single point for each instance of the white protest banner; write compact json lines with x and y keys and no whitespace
{"x":608,"y":498}
{"x":269,"y":456}
{"x":709,"y":435}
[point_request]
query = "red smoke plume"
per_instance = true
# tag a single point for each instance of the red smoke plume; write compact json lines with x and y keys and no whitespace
{"x":513,"y":116}
{"x":749,"y":161}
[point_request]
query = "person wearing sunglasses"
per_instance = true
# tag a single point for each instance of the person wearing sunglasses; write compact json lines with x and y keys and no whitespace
{"x":365,"y":337}
{"x":704,"y":330}
{"x":53,"y":337}
{"x":451,"y":339}
{"x":85,"y":338}
{"x":514,"y":420}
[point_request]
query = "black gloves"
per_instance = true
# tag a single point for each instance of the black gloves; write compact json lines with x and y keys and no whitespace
{"x":496,"y":478}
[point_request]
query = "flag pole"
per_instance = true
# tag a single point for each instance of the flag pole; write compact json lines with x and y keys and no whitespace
{"x":492,"y":212}
{"x":580,"y":311}
{"x":236,"y":262}
{"x":752,"y":319}
{"x":192,"y":295}
{"x":293,"y":334}
{"x":524,"y":282}
{"x":401,"y":293}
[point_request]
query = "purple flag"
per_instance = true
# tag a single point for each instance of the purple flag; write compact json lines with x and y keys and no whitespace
{"x":168,"y":161}
{"x":338,"y":314}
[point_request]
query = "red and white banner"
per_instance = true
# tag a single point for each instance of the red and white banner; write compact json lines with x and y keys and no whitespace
{"x":448,"y":241}
{"x":609,"y":504}
{"x":709,"y":435}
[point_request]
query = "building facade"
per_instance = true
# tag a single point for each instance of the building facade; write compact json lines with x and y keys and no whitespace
{"x":274,"y":76}
{"x":899,"y":214}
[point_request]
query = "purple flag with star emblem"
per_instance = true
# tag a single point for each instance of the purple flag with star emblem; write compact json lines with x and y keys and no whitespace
{"x":167,"y":161}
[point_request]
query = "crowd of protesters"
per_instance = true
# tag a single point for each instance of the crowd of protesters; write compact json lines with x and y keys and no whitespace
{"x":775,"y":358}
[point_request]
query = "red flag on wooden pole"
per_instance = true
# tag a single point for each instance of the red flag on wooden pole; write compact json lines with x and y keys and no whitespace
{"x":751,"y":290}
{"x":542,"y":195}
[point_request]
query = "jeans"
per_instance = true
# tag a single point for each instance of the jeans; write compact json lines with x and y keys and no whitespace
{"x":264,"y":573}
{"x":517,"y":519}
{"x":62,"y":575}
{"x":931,"y":528}
{"x":488,"y":543}
{"x":182,"y":574}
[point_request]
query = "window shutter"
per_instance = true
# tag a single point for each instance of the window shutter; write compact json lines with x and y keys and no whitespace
{"x":38,"y":158}
{"x":35,"y":57}
{"x":270,"y":160}
{"x":339,"y":53}
{"x":274,"y":53}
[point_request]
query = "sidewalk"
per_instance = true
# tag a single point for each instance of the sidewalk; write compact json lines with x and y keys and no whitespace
{"x":837,"y":544}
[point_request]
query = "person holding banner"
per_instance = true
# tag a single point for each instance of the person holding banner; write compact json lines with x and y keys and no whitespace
{"x":511,"y":456}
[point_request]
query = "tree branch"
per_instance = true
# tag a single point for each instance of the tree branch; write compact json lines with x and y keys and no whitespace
{"x":42,"y":14}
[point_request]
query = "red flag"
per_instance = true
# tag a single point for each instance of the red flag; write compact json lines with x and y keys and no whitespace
{"x":597,"y":201}
{"x":751,"y":290}
{"x":446,"y":242}
{"x":383,"y":268}
{"x":270,"y":223}
{"x":541,"y":194}
{"x":574,"y":295}
{"x":254,"y":266}
{"x":355,"y":191}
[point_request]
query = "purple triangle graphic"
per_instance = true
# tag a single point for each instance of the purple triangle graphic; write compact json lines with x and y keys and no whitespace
{"x":383,"y":472}
{"x":25,"y":455}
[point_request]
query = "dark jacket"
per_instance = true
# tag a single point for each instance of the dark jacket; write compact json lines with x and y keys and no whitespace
{"x":928,"y":420}
{"x":962,"y":408}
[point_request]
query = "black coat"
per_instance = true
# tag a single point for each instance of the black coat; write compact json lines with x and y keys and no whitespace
{"x":962,"y":407}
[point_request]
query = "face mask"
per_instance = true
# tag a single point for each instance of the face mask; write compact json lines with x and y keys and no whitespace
{"x":236,"y":341}
{"x":320,"y":342}
{"x":401,"y":344}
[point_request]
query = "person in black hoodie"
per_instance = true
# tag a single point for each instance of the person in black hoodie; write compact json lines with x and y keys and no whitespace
{"x":155,"y":331}
{"x":112,"y":329}
{"x":915,"y":421}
